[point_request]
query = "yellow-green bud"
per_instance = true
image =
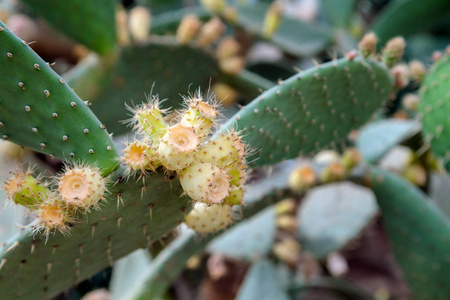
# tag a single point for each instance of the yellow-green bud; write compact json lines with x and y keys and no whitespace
{"x":332,"y":172}
{"x":286,"y":206}
{"x":416,"y":174}
{"x":287,"y":223}
{"x":232,"y":65}
{"x":177,"y":147}
{"x":401,"y":75}
{"x":302,"y":178}
{"x":287,"y":251}
{"x":417,"y":70}
{"x":227,"y":47}
{"x":393,"y":51}
{"x":150,"y":121}
{"x":205,"y":218}
{"x":188,"y":29}
{"x":411,"y":101}
{"x":350,"y":159}
{"x":368,"y":45}
{"x":235,"y":196}
{"x":205,"y":182}
{"x":201,"y":116}
{"x":237,"y":172}
{"x":272,"y":20}
{"x":210,"y":32}
{"x":139,"y":22}
{"x":24,"y":189}
{"x":215,"y":6}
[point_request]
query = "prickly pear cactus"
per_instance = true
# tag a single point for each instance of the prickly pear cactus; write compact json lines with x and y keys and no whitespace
{"x":313,"y":109}
{"x":419,"y":234}
{"x":435,"y":106}
{"x":58,"y":122}
{"x":134,"y":216}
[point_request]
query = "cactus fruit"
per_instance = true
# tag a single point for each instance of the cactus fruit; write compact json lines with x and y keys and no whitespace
{"x":210,"y":32}
{"x":82,"y":187}
{"x":350,"y":158}
{"x":140,"y":156}
{"x":368,"y":45}
{"x":177,"y":147}
{"x":205,"y":218}
{"x":53,"y":215}
{"x":139,"y":23}
{"x":200,"y":115}
{"x":205,"y":182}
{"x":393,"y":51}
{"x":26,"y":190}
{"x":417,"y":70}
{"x":435,"y":92}
{"x":188,"y":29}
{"x":228,"y":47}
{"x":335,"y":171}
{"x":302,"y":178}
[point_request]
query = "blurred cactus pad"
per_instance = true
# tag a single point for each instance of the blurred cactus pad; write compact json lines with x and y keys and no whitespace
{"x":224,"y":149}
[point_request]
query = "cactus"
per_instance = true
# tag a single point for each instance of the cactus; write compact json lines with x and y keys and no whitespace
{"x":322,"y":97}
{"x":190,"y":164}
{"x":59,"y":122}
{"x":416,"y":229}
{"x":433,"y":107}
{"x":133,"y":217}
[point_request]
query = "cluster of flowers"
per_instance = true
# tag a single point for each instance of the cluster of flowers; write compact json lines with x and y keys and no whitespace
{"x":79,"y":188}
{"x":211,"y":172}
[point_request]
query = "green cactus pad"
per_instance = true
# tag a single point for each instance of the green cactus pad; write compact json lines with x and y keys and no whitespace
{"x":312,"y":110}
{"x":435,"y":107}
{"x":41,"y":112}
{"x":406,"y":17}
{"x":419,"y":234}
{"x":171,"y":70}
{"x":293,"y":37}
{"x":333,"y":215}
{"x":92,"y":23}
{"x":32,"y":268}
{"x":339,"y":12}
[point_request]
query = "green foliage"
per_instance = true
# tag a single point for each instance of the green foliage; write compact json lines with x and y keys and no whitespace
{"x":339,"y":12}
{"x":419,"y":234}
{"x":405,"y":17}
{"x":88,"y":22}
{"x":435,"y":92}
{"x":312,"y":110}
{"x":41,"y":112}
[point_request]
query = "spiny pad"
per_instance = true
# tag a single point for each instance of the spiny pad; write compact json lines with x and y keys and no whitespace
{"x":435,"y":108}
{"x":419,"y":234}
{"x":32,"y":269}
{"x":39,"y":111}
{"x":314,"y":109}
